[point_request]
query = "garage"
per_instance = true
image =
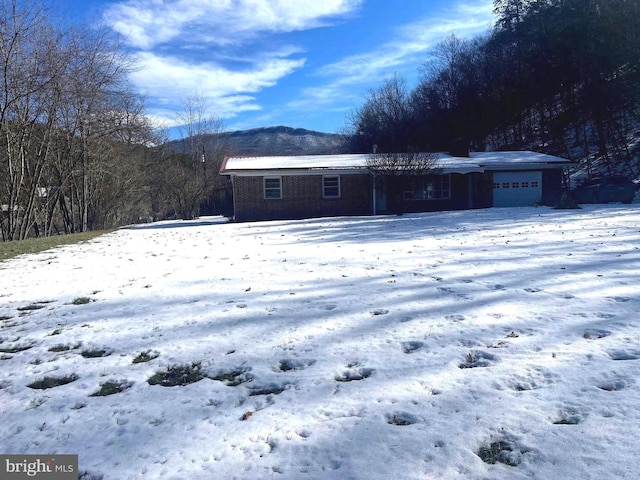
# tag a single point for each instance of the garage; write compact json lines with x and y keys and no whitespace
{"x":517,"y":189}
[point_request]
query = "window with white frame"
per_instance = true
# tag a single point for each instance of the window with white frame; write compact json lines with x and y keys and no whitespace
{"x":272,"y":188}
{"x":430,"y":187}
{"x":331,"y":186}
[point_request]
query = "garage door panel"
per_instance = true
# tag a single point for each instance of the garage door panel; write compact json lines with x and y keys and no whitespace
{"x":516,"y":189}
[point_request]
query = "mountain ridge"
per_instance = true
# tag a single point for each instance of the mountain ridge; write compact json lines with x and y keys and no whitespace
{"x":277,"y":140}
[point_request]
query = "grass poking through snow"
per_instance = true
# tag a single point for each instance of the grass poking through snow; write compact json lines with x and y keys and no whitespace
{"x":111,"y":387}
{"x":178,"y":375}
{"x":50,"y":382}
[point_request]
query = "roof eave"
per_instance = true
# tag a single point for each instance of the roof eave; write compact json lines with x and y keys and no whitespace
{"x":525,"y":166}
{"x":295,"y":171}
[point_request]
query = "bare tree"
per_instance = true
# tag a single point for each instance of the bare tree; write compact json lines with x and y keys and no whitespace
{"x":66,"y":115}
{"x":189,"y":179}
{"x":29,"y":100}
{"x":394,"y":171}
{"x":401,"y":164}
{"x":99,"y":97}
{"x":383,"y":120}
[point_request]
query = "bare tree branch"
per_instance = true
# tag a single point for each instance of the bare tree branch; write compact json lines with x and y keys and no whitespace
{"x":398,"y":164}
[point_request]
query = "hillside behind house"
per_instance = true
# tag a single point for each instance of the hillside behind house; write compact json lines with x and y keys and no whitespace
{"x":284,"y":141}
{"x":559,"y":77}
{"x":278,"y":140}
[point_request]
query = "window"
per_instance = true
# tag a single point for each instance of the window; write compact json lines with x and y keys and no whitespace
{"x":534,"y":184}
{"x":272,"y":188}
{"x":516,"y":185}
{"x":505,"y":185}
{"x":331,"y":186}
{"x":525,"y":184}
{"x":496,"y":185}
{"x":430,"y":187}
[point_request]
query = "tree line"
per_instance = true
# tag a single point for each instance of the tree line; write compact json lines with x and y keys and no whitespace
{"x":77,"y":152}
{"x":555,"y":76}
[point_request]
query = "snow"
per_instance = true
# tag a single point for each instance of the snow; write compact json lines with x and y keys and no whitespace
{"x":241,"y":163}
{"x":362,"y":348}
{"x":475,"y":162}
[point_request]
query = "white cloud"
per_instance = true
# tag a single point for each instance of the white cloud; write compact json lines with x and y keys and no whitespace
{"x":146,"y":24}
{"x":172,"y":37}
{"x":405,"y":52}
{"x":412,"y":43}
{"x":326,"y":97}
{"x":171,"y":80}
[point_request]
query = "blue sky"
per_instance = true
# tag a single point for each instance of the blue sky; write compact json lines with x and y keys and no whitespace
{"x":259,"y":63}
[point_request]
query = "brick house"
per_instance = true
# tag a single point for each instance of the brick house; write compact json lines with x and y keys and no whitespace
{"x":305,"y":186}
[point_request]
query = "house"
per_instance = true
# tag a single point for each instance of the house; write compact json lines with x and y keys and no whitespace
{"x":305,"y":186}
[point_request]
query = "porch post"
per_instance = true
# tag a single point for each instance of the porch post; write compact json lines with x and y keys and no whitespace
{"x":373,"y":191}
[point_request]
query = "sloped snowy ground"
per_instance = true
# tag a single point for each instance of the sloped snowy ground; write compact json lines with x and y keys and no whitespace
{"x":357,"y":348}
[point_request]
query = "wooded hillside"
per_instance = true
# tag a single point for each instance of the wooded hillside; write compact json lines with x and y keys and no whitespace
{"x":555,"y":76}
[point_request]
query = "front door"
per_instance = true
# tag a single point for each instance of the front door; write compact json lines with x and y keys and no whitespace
{"x":381,"y":195}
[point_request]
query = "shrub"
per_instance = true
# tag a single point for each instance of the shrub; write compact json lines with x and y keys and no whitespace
{"x":567,"y":202}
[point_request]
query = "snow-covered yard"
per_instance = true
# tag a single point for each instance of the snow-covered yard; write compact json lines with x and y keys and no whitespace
{"x":358,"y":348}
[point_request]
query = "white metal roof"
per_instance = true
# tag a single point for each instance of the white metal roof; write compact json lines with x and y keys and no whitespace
{"x":477,"y":161}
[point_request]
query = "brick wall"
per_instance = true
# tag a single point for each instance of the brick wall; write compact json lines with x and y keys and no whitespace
{"x":301,"y":198}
